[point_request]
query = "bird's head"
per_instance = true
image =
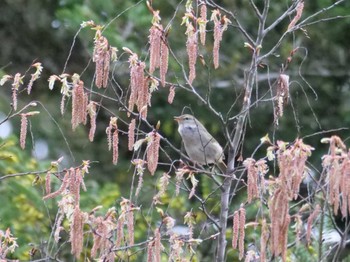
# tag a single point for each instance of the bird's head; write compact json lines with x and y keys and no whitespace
{"x":185,"y":119}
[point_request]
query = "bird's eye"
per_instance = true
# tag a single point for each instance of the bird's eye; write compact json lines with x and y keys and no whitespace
{"x":187,"y":118}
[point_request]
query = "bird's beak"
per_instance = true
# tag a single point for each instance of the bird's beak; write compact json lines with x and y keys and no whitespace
{"x":177,"y":118}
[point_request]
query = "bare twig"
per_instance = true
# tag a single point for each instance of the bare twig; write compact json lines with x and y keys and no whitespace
{"x":35,"y":173}
{"x":234,"y":17}
{"x":303,"y":22}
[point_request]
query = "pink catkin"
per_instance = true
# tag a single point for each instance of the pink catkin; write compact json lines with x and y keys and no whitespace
{"x":58,"y":227}
{"x":284,"y":238}
{"x":48,"y":183}
{"x":203,"y":15}
{"x":334,"y":189}
{"x":76,"y":180}
{"x":310,"y":220}
{"x":62,"y":104}
{"x":150,"y":252}
{"x":130,"y":224}
{"x":252,"y":171}
{"x":171,"y":95}
{"x":79,"y":105}
{"x":343,"y":189}
{"x":84,"y":112}
{"x":235,"y":230}
{"x":280,"y":220}
{"x":299,"y":9}
{"x":30,"y":84}
{"x":120,"y":232}
{"x":164,"y":182}
{"x":242,"y":215}
{"x":23,"y":133}
{"x":97,"y":237}
{"x":191,"y":46}
{"x":263,"y":240}
{"x":92,"y":115}
{"x":76,"y":232}
{"x":262,"y":169}
{"x":34,"y":76}
{"x":155,"y":47}
{"x":153,"y":151}
{"x":283,"y":222}
{"x":14,"y":98}
{"x":106,"y":64}
{"x":17,"y":80}
{"x":139,"y":169}
{"x":346,"y":187}
{"x":157,"y":246}
{"x":178,"y":179}
{"x":109,"y":137}
{"x":164,"y":60}
{"x":102,"y":58}
{"x":133,"y":87}
{"x":291,"y":162}
{"x":131,"y":134}
{"x":274,"y":221}
{"x":144,"y":99}
{"x":218,"y":32}
{"x":115,"y":146}
{"x":336,"y":165}
{"x":282,"y":96}
{"x":253,"y":185}
{"x":132,"y":100}
{"x":274,"y":230}
{"x":110,"y":132}
{"x":136,"y":83}
{"x":139,"y":184}
{"x":99,"y":73}
{"x":100,"y":239}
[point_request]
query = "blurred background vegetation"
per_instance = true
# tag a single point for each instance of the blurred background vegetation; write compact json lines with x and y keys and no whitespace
{"x":44,"y":31}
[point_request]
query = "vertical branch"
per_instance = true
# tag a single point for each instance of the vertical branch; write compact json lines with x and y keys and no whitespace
{"x":234,"y":146}
{"x":236,"y":139}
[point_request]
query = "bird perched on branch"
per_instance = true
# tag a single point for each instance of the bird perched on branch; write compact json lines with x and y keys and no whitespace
{"x":200,"y":146}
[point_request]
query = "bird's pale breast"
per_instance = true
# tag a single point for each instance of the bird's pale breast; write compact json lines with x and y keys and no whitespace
{"x":201,"y":147}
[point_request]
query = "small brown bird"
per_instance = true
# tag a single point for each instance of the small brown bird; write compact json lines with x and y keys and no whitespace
{"x":200,"y":146}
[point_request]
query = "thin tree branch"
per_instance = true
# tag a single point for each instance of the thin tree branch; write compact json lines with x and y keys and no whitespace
{"x":234,"y":17}
{"x":131,"y":246}
{"x":255,"y":8}
{"x":25,"y":174}
{"x":7,"y":117}
{"x":303,"y":22}
{"x":321,"y":20}
{"x":289,"y":11}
